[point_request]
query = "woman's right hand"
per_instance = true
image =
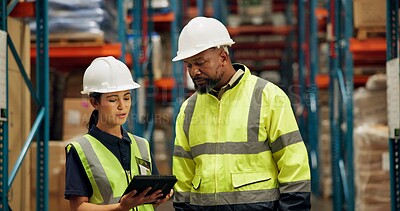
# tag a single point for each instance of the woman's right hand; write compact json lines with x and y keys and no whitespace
{"x":132,"y":199}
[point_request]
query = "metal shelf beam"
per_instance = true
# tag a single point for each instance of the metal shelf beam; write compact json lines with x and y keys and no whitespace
{"x":312,"y":100}
{"x":393,"y":90}
{"x":178,"y":91}
{"x":341,"y":104}
{"x":307,"y":108}
{"x":40,"y":128}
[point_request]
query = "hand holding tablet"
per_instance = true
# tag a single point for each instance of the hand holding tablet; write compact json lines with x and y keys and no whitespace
{"x":157,"y":182}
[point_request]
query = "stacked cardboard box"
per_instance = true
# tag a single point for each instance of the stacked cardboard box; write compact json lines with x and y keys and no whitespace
{"x":371,"y":157}
{"x":369,"y":13}
{"x":370,"y":104}
{"x":19,"y":109}
{"x":76,"y":116}
{"x":56,"y":180}
{"x":371,"y":162}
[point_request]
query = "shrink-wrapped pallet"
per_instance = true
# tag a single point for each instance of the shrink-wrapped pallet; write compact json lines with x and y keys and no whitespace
{"x":371,"y":164}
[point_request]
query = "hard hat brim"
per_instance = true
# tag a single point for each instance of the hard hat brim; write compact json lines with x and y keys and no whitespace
{"x":188,"y":54}
{"x":114,"y":89}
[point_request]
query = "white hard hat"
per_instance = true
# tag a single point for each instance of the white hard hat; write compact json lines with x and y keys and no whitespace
{"x":200,"y":34}
{"x":107,"y":74}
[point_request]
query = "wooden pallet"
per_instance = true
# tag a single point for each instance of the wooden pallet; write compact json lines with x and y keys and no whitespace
{"x":364,"y":33}
{"x":74,"y":39}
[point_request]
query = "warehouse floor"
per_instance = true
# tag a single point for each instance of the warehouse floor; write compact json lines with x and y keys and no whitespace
{"x":316,"y":204}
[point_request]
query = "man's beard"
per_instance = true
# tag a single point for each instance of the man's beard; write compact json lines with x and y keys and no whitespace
{"x":210,"y":85}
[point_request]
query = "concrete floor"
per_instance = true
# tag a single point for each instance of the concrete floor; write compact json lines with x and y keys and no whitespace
{"x":317,"y":204}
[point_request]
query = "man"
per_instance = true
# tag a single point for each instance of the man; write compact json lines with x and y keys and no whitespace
{"x":237,"y":144}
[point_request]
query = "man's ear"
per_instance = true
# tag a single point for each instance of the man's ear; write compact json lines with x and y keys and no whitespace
{"x":224,"y":57}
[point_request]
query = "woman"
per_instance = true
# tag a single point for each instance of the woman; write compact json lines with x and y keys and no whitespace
{"x":100,"y":165}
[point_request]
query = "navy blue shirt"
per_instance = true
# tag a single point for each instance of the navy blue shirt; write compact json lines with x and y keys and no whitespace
{"x":76,"y":181}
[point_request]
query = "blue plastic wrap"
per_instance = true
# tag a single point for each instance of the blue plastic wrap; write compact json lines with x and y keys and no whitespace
{"x":95,"y":17}
{"x":74,"y":4}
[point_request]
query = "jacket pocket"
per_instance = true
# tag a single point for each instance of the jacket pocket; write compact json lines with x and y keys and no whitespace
{"x":248,"y":178}
{"x":196,"y":181}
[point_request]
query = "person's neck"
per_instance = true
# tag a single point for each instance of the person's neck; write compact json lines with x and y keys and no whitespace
{"x":113,"y":130}
{"x":229,"y":74}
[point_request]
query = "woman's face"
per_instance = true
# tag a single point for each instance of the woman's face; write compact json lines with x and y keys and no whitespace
{"x":114,"y":108}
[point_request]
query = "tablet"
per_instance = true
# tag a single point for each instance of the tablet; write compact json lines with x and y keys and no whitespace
{"x":158,"y":182}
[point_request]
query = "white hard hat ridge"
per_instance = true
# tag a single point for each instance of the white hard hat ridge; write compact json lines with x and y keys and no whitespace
{"x":107,"y":74}
{"x":200,"y":34}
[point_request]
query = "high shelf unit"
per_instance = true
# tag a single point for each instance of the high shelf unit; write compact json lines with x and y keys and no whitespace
{"x":178,"y":90}
{"x":40,"y":126}
{"x":341,"y":103}
{"x":64,"y":58}
{"x":393,"y":98}
{"x":308,"y":90}
{"x":141,"y":50}
{"x":266,"y":49}
{"x":67,"y":58}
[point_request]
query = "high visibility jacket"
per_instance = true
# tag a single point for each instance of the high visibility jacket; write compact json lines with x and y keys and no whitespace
{"x":245,"y":148}
{"x":106,"y":175}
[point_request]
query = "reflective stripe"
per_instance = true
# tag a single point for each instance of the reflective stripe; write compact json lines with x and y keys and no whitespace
{"x":253,"y":121}
{"x":181,"y":197}
{"x":105,"y":189}
{"x":226,"y":198}
{"x":180,"y":152}
{"x":230,"y":148}
{"x":299,"y":186}
{"x":253,"y":146}
{"x":97,"y":198}
{"x":97,"y":169}
{"x":286,"y":140}
{"x":142,"y":144}
{"x":189,"y":113}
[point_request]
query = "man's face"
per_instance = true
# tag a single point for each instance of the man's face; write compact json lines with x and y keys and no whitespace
{"x":205,"y":69}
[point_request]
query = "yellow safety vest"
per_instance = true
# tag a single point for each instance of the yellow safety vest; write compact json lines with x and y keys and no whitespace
{"x":244,"y":148}
{"x":105,"y":173}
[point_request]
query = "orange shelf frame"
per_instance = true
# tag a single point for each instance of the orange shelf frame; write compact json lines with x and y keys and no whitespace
{"x":23,"y":10}
{"x":322,"y":80}
{"x":260,"y":45}
{"x":262,"y":29}
{"x":72,"y":52}
{"x":158,"y":17}
{"x":167,"y":17}
{"x":372,"y":45}
{"x":368,"y":52}
{"x":69,"y":58}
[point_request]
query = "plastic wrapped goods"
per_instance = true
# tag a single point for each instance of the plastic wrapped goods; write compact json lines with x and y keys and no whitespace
{"x":371,"y":162}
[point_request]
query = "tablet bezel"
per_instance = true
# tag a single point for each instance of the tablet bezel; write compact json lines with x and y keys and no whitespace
{"x":158,"y":182}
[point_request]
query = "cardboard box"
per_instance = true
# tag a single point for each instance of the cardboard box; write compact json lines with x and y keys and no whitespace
{"x":369,"y":13}
{"x":19,"y":110}
{"x":76,"y":116}
{"x":56,"y":176}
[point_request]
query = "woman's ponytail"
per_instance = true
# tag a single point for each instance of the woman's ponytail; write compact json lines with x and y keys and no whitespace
{"x":94,"y":117}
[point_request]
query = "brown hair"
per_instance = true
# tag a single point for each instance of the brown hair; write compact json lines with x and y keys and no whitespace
{"x":94,"y":117}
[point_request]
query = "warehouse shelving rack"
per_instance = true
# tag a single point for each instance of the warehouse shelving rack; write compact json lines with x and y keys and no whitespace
{"x":284,"y":48}
{"x":178,"y":90}
{"x":341,"y":103}
{"x":393,"y":90}
{"x":142,"y":115}
{"x":65,"y":58}
{"x":40,"y":127}
{"x":308,"y":90}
